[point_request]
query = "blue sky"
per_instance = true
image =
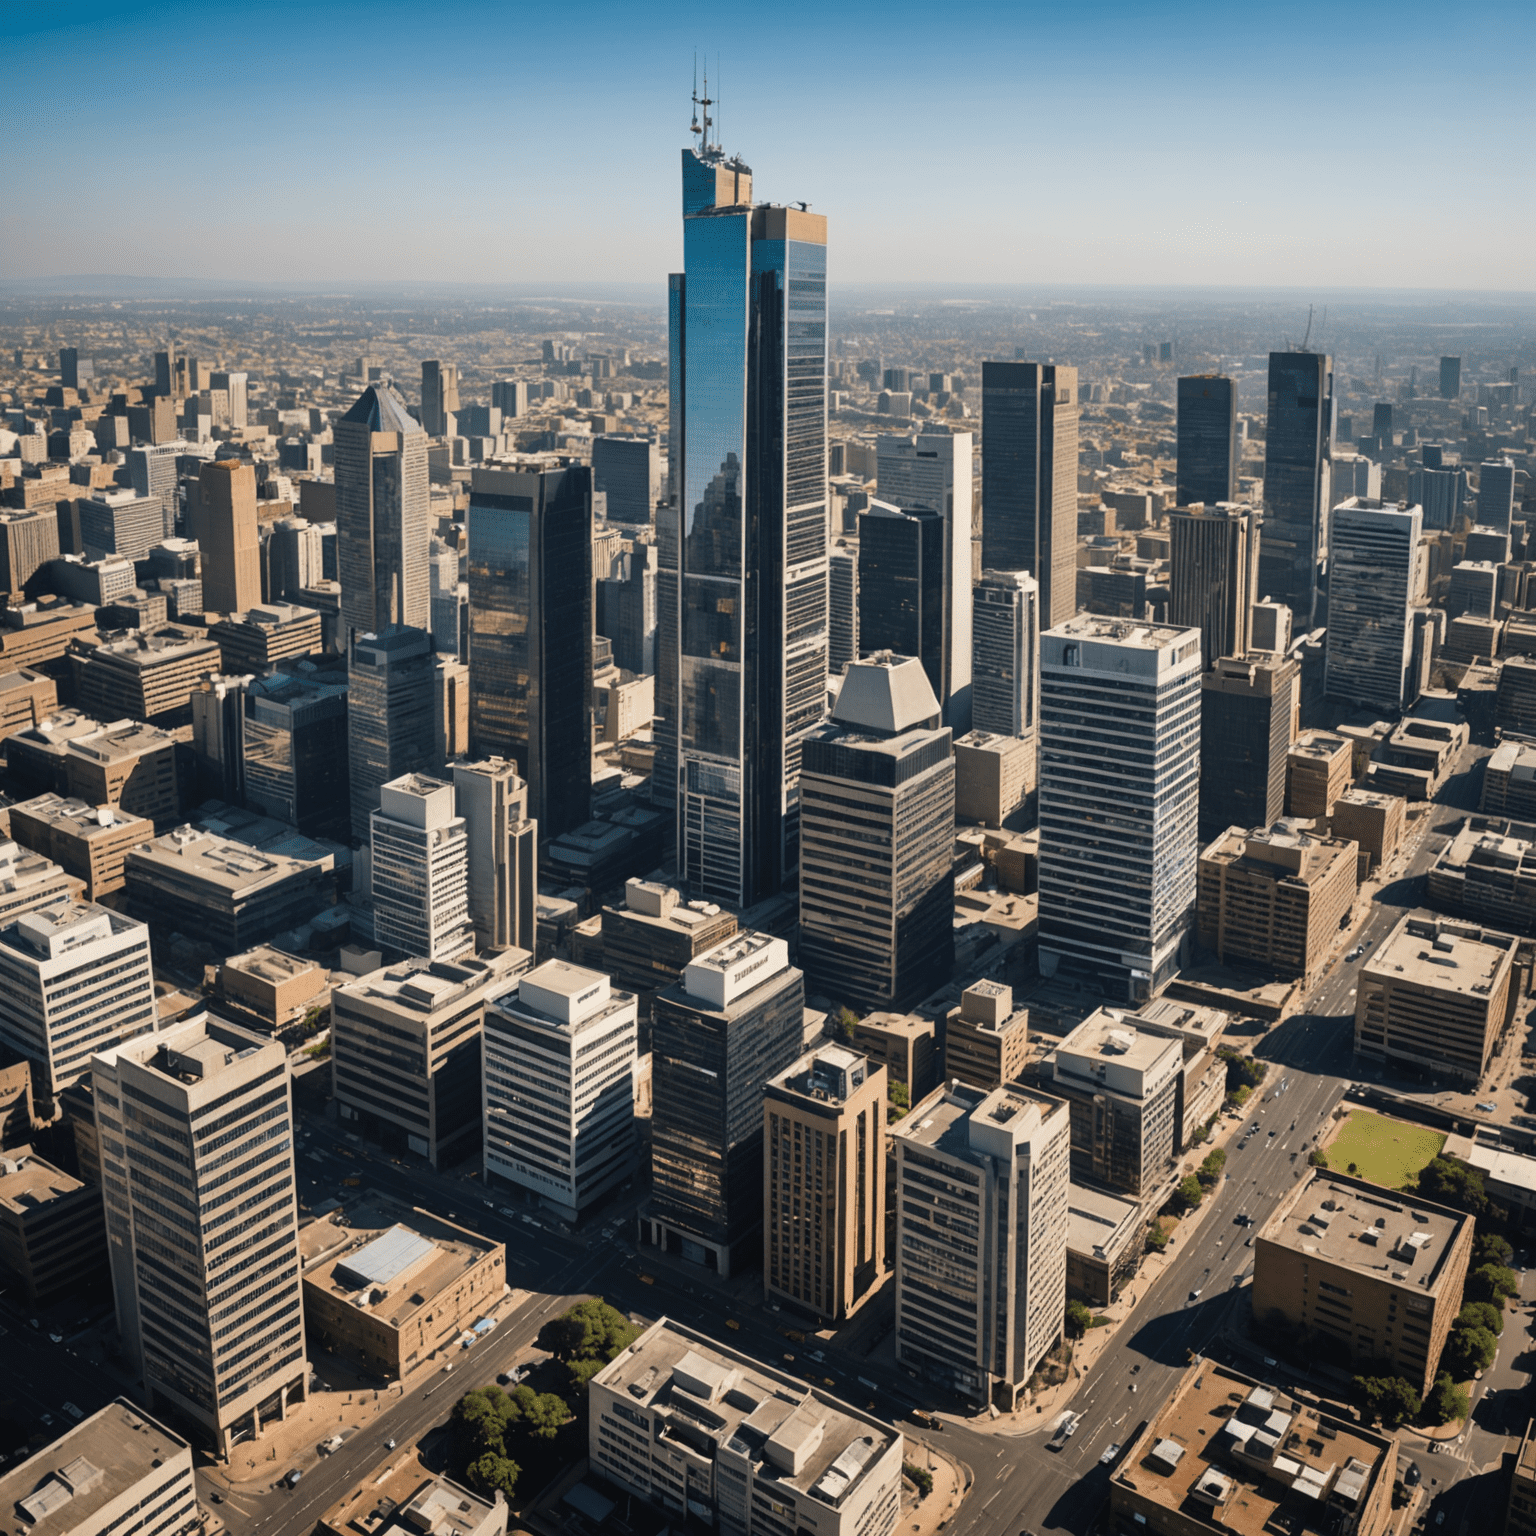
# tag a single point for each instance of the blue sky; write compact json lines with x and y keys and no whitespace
{"x":1309,"y":144}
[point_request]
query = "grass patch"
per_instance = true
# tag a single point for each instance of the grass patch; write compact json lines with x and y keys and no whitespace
{"x":1389,"y":1152}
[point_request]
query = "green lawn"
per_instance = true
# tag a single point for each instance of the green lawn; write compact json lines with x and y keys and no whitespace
{"x":1389,"y":1152}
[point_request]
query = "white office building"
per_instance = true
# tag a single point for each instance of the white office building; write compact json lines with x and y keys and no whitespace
{"x":1005,"y":656}
{"x":1372,"y":585}
{"x":558,"y":1070}
{"x":420,"y":870}
{"x":1119,"y":794}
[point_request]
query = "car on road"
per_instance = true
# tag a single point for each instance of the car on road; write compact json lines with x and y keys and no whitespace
{"x":1065,"y":1429}
{"x":1194,"y":1295}
{"x":389,"y":1445}
{"x":1110,"y":1452}
{"x":1412,"y":1476}
{"x":216,"y":1496}
{"x":1355,"y":953}
{"x":1439,"y":1517}
{"x":291,"y":1477}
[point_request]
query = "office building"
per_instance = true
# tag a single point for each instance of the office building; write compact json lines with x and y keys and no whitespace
{"x":1225,"y":1453}
{"x":1436,"y":997}
{"x":116,"y":1473}
{"x":450,"y":711}
{"x":211,"y":1097}
{"x":420,"y":870}
{"x":1372,"y":586}
{"x":120,"y":523}
{"x":76,"y":979}
{"x":1119,"y":799}
{"x":1029,"y":422}
{"x":982,"y":1183}
{"x":51,"y":1235}
{"x":1005,"y":654}
{"x":510,"y":397}
{"x":1319,"y":768}
{"x":842,"y":608}
{"x":765,"y":1450}
{"x":1203,"y":1077}
{"x":1248,"y":709}
{"x":69,"y":367}
{"x":1298,"y":444}
{"x":268,"y":990}
{"x":26,"y":698}
{"x":748,"y":453}
{"x":1509,"y":781}
{"x":88,"y":841}
{"x":28,"y":541}
{"x":1213,"y":575}
{"x":296,"y":558}
{"x":29,"y":882}
{"x":152,"y":473}
{"x":626,"y":609}
{"x":1276,"y":898}
{"x":1207,"y":457}
{"x":1496,"y":493}
{"x":1121,"y":1085}
{"x":877,"y":816}
{"x":439,"y":398}
{"x":233,"y":387}
{"x":1364,"y":1273}
{"x":627,"y":471}
{"x":986,"y":1040}
{"x":217,"y":750}
{"x":994,"y":777}
{"x":1374,"y":822}
{"x":1106,"y":1236}
{"x":734,"y":1020}
{"x":145,"y":674}
{"x":902,"y":599}
{"x":37,"y":634}
{"x":390,"y":714}
{"x":383,"y":515}
{"x":824,"y":1196}
{"x":503,"y":853}
{"x":906,"y":1045}
{"x":254,"y":641}
{"x":530,"y":634}
{"x":1520,"y":1512}
{"x":294,"y":750}
{"x":405,"y":1051}
{"x":559,"y":1072}
{"x":1450,"y":378}
{"x":225,"y":529}
{"x":1474,"y":590}
{"x":650,"y":940}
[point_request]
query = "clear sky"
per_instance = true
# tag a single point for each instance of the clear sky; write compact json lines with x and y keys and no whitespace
{"x":1362,"y":143}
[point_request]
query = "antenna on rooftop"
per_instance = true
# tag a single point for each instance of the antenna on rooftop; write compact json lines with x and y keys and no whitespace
{"x":695,"y":90}
{"x":702,"y":129}
{"x":1305,"y":339}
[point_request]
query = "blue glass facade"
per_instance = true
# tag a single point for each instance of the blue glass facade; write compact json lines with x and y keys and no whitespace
{"x":1298,"y":444}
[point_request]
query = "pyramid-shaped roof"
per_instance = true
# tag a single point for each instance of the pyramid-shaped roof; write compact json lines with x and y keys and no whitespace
{"x":382,"y":410}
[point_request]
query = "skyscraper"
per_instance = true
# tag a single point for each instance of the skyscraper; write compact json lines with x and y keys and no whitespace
{"x":233,"y":386}
{"x":1372,"y":584}
{"x":842,"y":608}
{"x":1298,"y":444}
{"x":627,"y":471}
{"x":1119,"y":800}
{"x":69,"y":367}
{"x":503,"y":853}
{"x":205,"y":1270}
{"x":1005,"y":665}
{"x":383,"y":515}
{"x":1207,"y":440}
{"x":1450,"y":378}
{"x":391,"y":725}
{"x":1029,"y":415}
{"x":749,"y":435}
{"x":153,"y":471}
{"x":1496,"y":493}
{"x":225,"y":530}
{"x":420,"y":870}
{"x":1381,"y":423}
{"x":1248,"y":708}
{"x":165,"y":371}
{"x":530,"y":633}
{"x":903,"y":565}
{"x":439,"y":397}
{"x":294,"y":750}
{"x":1213,"y":576}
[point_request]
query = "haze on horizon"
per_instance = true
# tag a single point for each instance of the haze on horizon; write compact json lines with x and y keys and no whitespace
{"x":1363,"y":146}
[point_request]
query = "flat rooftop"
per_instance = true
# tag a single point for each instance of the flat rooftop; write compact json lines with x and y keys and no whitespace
{"x":1445,"y":958}
{"x":1127,"y":632}
{"x":1280,"y":851}
{"x":1103,"y":1036}
{"x":1513,"y":1169}
{"x":1095,"y":1218}
{"x":218,"y":861}
{"x":271,"y":965}
{"x":1368,"y":1229}
{"x":422,"y":986}
{"x":408,"y":1500}
{"x":1234,"y":1455}
{"x":27,"y":1182}
{"x":124,"y":739}
{"x":79,"y":818}
{"x":1318,"y":745}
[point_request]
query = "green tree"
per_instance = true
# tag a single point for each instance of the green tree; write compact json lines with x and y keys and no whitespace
{"x":920,"y":1478}
{"x":1079,"y":1319}
{"x":591,"y":1330}
{"x":898,"y":1097}
{"x":1490,"y":1248}
{"x":1482,"y":1314}
{"x":1449,"y":1182}
{"x":1242,"y":1071}
{"x":539,"y":1415}
{"x":1318,"y":1158}
{"x":480,"y":1421}
{"x":844,"y":1022}
{"x":1492,"y":1282}
{"x":1239,"y":1096}
{"x":1191,"y":1191}
{"x":1388,"y":1398}
{"x":1468,"y":1351}
{"x":1446,"y":1402}
{"x":490,"y":1472}
{"x":1157,"y":1239}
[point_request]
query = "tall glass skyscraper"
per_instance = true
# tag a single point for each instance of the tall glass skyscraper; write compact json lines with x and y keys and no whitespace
{"x":1207,"y":439}
{"x":747,"y":536}
{"x":1298,"y":444}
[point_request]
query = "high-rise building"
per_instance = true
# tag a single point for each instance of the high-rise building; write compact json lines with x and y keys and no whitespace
{"x":121,"y":523}
{"x":842,"y":608}
{"x":74,"y":979}
{"x":297,"y":558}
{"x":1450,"y":378}
{"x":1029,"y":418}
{"x":439,"y":397}
{"x":152,"y":469}
{"x":982,"y":1189}
{"x":1372,"y":586}
{"x":28,"y":541}
{"x":734,"y":1021}
{"x":390,"y":718}
{"x":503,"y":853}
{"x":1248,"y":710}
{"x":749,"y":456}
{"x":530,"y":634}
{"x":626,"y":609}
{"x":510,"y":397}
{"x":233,"y":387}
{"x":165,"y":371}
{"x":1496,"y":493}
{"x":627,"y":470}
{"x":1207,"y":440}
{"x":420,"y":870}
{"x":559,"y":1087}
{"x":383,"y":514}
{"x":1119,"y":799}
{"x":824,"y":1171}
{"x":225,"y":530}
{"x":986,"y":1042}
{"x":443,"y":596}
{"x":1005,"y":654}
{"x":294,"y":744}
{"x":1213,"y":576}
{"x":212,"y":1321}
{"x":1298,"y":445}
{"x":1441,"y":490}
{"x":877,"y":826}
{"x":69,"y":367}
{"x":1381,"y":423}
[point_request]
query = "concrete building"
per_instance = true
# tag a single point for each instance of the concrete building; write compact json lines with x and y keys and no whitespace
{"x":503,"y":852}
{"x":1276,"y":898}
{"x":88,"y":841}
{"x":28,"y":541}
{"x":1318,"y":771}
{"x":1119,"y":800}
{"x":1520,"y":1513}
{"x":842,"y":607}
{"x":26,"y":698}
{"x":986,"y":1040}
{"x":703,"y":1432}
{"x":1005,"y":669}
{"x":1509,"y":781}
{"x":294,"y":738}
{"x":1374,"y":822}
{"x":1206,"y":447}
{"x":28,"y":881}
{"x":559,"y":1087}
{"x":390,"y":714}
{"x":1486,"y":873}
{"x":906,"y":1045}
{"x":388,"y":1295}
{"x":1203,"y":1077}
{"x":213,"y":1097}
{"x":735,"y":1020}
{"x":74,"y":979}
{"x":128,"y":764}
{"x":405,"y":1051}
{"x":1363,"y":1273}
{"x":51,"y":1233}
{"x":36,"y":757}
{"x":439,"y":397}
{"x":254,"y":640}
{"x":1435,"y":998}
{"x":1106,"y":1235}
{"x":1225,"y":1454}
{"x":877,"y":817}
{"x":224,"y":526}
{"x":627,"y":470}
{"x":117,"y":1473}
{"x":994,"y":777}
{"x":982,"y":1193}
{"x":1213,"y":575}
{"x":1248,"y":710}
{"x":267,"y":990}
{"x":1122,"y":1087}
{"x":420,"y":870}
{"x":405,"y":1501}
{"x":824,"y":1193}
{"x":1496,"y":493}
{"x":1417,"y":757}
{"x":1373,"y":585}
{"x":120,"y":523}
{"x":649,"y":941}
{"x":37,"y":634}
{"x":142,"y":674}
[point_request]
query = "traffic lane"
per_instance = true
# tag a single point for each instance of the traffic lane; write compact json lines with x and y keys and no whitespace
{"x":43,"y":1376}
